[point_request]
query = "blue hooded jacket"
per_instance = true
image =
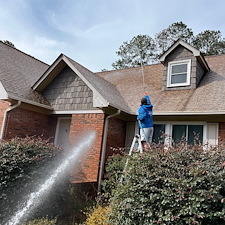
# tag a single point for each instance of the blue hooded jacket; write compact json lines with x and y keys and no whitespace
{"x":145,"y":114}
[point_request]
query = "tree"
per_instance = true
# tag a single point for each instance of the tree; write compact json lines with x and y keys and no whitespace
{"x":142,"y":49}
{"x":210,"y":42}
{"x":9,"y":43}
{"x":139,"y":51}
{"x":165,"y":38}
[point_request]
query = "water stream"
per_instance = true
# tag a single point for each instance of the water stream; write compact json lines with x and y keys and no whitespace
{"x":34,"y":198}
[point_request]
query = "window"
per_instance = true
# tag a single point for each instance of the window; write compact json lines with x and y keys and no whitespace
{"x":159,"y":133}
{"x":179,"y":73}
{"x":190,"y":134}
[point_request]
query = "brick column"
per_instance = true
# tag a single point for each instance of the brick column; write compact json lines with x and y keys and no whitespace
{"x":87,"y":170}
{"x":221,"y":133}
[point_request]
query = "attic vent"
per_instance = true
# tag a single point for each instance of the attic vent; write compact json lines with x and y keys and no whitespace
{"x":179,"y":73}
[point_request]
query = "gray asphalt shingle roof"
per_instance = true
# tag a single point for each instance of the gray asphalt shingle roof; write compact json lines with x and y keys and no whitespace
{"x":123,"y":89}
{"x":209,"y":97}
{"x":18,"y":72}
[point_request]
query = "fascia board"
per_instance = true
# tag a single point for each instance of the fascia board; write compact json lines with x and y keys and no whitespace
{"x":30,"y":102}
{"x":188,"y":113}
{"x":98,"y":99}
{"x":3,"y":92}
{"x":180,"y":42}
{"x":37,"y":85}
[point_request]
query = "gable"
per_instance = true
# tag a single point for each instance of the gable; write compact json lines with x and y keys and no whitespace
{"x":104,"y":94}
{"x":68,"y":92}
{"x":184,"y":67}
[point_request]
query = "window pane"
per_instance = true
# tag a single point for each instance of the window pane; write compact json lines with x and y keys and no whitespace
{"x":179,"y":78}
{"x":179,"y":133}
{"x":195,"y":134}
{"x":158,"y":134}
{"x":179,"y":68}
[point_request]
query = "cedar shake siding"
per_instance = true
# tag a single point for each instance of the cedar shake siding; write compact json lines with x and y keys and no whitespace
{"x":68,"y":92}
{"x":22,"y":123}
{"x":81,"y":124}
{"x":197,"y":72}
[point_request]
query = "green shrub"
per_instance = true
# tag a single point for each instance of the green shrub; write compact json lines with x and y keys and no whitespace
{"x":98,"y":216}
{"x":178,"y":186}
{"x":43,"y":221}
{"x":114,"y":171}
{"x":24,"y":164}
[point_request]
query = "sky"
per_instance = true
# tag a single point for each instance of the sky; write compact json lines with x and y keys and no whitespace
{"x":91,"y":31}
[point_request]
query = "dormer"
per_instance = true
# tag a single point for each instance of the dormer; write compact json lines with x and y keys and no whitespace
{"x":184,"y":67}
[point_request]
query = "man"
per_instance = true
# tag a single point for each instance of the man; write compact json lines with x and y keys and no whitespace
{"x":146,"y":123}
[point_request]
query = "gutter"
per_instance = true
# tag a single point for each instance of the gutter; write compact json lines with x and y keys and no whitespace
{"x":102,"y":161}
{"x":190,"y":113}
{"x":5,"y":118}
{"x":30,"y":102}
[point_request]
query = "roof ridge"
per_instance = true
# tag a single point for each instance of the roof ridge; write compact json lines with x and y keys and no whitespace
{"x":13,"y":47}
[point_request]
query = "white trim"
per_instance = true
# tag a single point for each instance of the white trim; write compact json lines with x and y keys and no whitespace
{"x":216,"y":141}
{"x":30,"y":102}
{"x":169,"y":129}
{"x":169,"y":70}
{"x":69,"y":112}
{"x":49,"y":70}
{"x":3,"y":93}
{"x":184,"y":44}
{"x":98,"y":99}
{"x":186,"y":113}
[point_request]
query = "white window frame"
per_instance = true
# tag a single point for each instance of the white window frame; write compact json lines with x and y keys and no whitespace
{"x":204,"y":124}
{"x":169,"y":75}
{"x":206,"y":128}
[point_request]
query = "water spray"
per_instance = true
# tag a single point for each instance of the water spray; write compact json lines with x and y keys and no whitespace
{"x":34,"y":198}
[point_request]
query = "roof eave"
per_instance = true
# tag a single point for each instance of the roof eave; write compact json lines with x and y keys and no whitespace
{"x":195,"y":52}
{"x":40,"y":84}
{"x":30,"y":102}
{"x":179,"y":42}
{"x":177,"y":113}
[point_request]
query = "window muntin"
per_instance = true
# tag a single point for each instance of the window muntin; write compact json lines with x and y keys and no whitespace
{"x":178,"y":73}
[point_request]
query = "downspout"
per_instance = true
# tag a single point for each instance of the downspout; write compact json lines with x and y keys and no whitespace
{"x":102,"y":162}
{"x":5,"y":118}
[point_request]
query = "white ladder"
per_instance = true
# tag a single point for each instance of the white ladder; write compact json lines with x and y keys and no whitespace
{"x":136,"y":140}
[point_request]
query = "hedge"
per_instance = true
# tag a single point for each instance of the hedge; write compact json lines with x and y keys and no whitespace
{"x":178,"y":186}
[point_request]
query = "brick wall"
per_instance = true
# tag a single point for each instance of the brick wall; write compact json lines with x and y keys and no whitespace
{"x":22,"y":122}
{"x":87,"y":171}
{"x":221,"y":133}
{"x":116,"y":135}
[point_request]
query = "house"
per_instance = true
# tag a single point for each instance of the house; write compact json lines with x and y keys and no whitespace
{"x":64,"y":100}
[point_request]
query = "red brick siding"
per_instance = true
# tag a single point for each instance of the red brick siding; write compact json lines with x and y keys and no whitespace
{"x":22,"y":122}
{"x":221,"y":133}
{"x":116,"y":135}
{"x":80,"y":125}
